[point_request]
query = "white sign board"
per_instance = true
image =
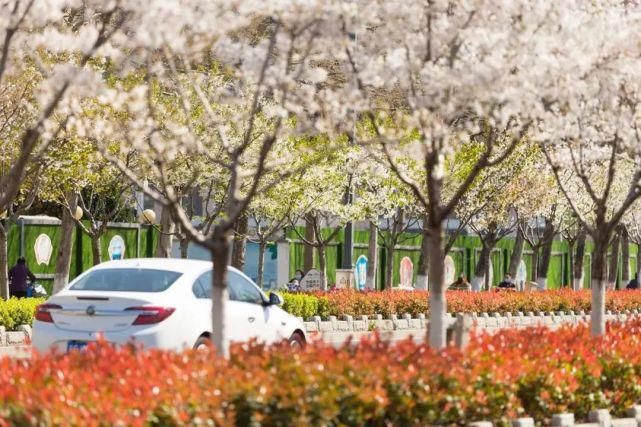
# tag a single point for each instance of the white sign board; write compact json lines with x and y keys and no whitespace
{"x":450,"y":270}
{"x":406,"y":272}
{"x":344,"y":278}
{"x":311,"y":281}
{"x":116,"y":248}
{"x":43,"y":249}
{"x":360,"y":270}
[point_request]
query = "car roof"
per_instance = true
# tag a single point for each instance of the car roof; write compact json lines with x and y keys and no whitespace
{"x":171,"y":264}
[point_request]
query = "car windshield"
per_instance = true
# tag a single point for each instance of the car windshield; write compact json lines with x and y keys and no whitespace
{"x":126,"y":280}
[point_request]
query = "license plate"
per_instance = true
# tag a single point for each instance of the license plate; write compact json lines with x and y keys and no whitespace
{"x":76,"y":345}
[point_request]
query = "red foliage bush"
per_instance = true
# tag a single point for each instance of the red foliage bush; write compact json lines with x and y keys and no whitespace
{"x":534,"y":372}
{"x":342,"y":302}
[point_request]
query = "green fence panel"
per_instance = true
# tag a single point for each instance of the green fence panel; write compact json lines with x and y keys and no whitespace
{"x":45,"y":269}
{"x":81,"y":257}
{"x":555,"y":271}
{"x":13,"y":244}
{"x":399,"y":254}
{"x":587,"y":271}
{"x":296,"y":258}
{"x":148,"y":240}
{"x":497,"y":260}
{"x":458,"y":256}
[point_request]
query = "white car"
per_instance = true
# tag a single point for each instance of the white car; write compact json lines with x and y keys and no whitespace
{"x":160,"y":303}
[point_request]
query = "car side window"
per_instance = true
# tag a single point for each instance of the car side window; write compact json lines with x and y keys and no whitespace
{"x":202,"y":286}
{"x":241,"y":289}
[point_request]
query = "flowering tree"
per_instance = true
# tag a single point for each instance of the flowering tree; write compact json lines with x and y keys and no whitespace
{"x":320,"y":200}
{"x":75,"y":175}
{"x":388,"y":205}
{"x":591,"y":129}
{"x":47,"y":64}
{"x":445,"y":74}
{"x":245,"y":87}
{"x":491,"y":205}
{"x":476,"y":70}
{"x":290,"y":199}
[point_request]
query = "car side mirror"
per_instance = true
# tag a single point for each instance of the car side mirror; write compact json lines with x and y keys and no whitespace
{"x":275,"y":299}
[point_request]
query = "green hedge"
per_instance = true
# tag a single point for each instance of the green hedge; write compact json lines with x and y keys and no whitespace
{"x":305,"y":306}
{"x":18,"y":311}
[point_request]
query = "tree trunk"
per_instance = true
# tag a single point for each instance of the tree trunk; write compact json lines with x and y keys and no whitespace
{"x":571,"y":249}
{"x":599,"y":282}
{"x":63,"y":257}
{"x":423,"y":263}
{"x":240,"y":242}
{"x":535,"y":263}
{"x":262,"y":247}
{"x":163,"y":247}
{"x":322,"y":264}
{"x":625,"y":257}
{"x":488,"y":280}
{"x":614,"y":261}
{"x":4,"y":262}
{"x":308,"y":250}
{"x":517,"y":253}
{"x":579,"y":258}
{"x":96,"y":249}
{"x":544,"y":264}
{"x":481,"y":269}
{"x":220,"y":252}
{"x":638,"y":275}
{"x":184,"y":247}
{"x":438,"y":304}
{"x":389,"y":267}
{"x":372,"y":256}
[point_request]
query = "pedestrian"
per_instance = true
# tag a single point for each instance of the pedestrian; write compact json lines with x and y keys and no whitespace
{"x":461,"y":284}
{"x":293,"y":286}
{"x":18,"y":276}
{"x":507,"y":282}
{"x":634,"y":283}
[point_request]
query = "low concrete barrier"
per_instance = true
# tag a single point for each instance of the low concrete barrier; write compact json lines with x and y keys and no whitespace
{"x":398,"y":328}
{"x":596,"y":418}
{"x":22,"y":336}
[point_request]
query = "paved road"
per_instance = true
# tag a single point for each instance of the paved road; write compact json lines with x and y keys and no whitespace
{"x":335,"y":339}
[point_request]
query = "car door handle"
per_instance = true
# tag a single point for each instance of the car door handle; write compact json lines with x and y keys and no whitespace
{"x":251,"y":319}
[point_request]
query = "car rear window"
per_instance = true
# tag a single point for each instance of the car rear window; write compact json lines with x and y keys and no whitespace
{"x":126,"y":280}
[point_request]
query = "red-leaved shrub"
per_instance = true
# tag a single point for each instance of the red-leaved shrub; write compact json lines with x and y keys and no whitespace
{"x":347,"y":302}
{"x":536,"y":372}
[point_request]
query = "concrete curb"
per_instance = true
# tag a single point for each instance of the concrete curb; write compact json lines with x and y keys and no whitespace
{"x":20,"y":337}
{"x":397,"y":328}
{"x":596,"y":418}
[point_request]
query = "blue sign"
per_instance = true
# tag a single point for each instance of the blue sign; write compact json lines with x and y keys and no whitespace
{"x":360,"y":272}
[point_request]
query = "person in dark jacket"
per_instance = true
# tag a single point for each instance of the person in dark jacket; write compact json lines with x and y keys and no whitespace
{"x":18,"y":276}
{"x":634,"y":283}
{"x":507,"y":282}
{"x":461,"y":284}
